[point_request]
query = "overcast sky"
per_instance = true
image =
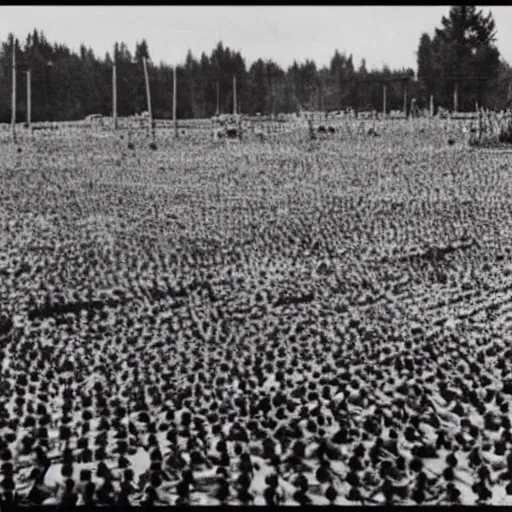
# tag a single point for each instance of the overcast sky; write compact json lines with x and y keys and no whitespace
{"x":382,"y":35}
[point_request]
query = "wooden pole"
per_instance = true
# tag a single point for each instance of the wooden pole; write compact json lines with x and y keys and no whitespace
{"x":29,"y":99}
{"x":384,"y":100}
{"x":479,"y":126}
{"x":323,"y":97}
{"x":217,"y":111}
{"x":174,"y":101}
{"x":13,"y":102}
{"x":114,"y":91}
{"x":405,"y":100}
{"x":234,"y":95}
{"x":148,"y":96}
{"x":431,"y":105}
{"x":272,"y":110}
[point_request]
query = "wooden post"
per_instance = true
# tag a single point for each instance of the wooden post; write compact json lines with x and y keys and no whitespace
{"x":479,"y":126}
{"x":234,"y":95}
{"x":456,"y":98}
{"x":13,"y":102}
{"x":431,"y":105}
{"x":405,"y":100}
{"x":148,"y":96}
{"x":384,"y":100}
{"x":174,"y":101}
{"x":29,"y":99}
{"x":114,"y":91}
{"x":272,"y":105}
{"x":217,"y":111}
{"x":323,"y":97}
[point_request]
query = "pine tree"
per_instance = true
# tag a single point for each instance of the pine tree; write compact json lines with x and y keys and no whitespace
{"x":464,"y":49}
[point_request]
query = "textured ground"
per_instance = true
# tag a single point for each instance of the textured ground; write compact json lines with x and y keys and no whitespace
{"x":338,"y":310}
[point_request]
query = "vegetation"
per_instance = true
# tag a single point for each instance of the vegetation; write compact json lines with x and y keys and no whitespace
{"x":462,"y":53}
{"x":280,"y":321}
{"x":69,"y":86}
{"x":320,"y":315}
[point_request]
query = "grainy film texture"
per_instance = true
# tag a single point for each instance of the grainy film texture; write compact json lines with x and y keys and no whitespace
{"x":256,"y":280}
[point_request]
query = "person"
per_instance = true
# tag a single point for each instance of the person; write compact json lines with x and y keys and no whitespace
{"x":414,"y":108}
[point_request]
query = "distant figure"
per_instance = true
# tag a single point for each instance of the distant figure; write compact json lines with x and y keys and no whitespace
{"x":414,"y":109}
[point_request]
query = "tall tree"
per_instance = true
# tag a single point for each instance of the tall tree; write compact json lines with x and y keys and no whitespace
{"x":463,"y":49}
{"x":258,"y":87}
{"x":426,"y":77}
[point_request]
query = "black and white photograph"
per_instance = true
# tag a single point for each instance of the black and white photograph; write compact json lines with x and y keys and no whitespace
{"x":255,"y":255}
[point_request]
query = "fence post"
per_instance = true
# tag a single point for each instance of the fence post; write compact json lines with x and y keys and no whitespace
{"x":114,"y":90}
{"x":234,"y":95}
{"x":175,"y":102}
{"x":217,"y":111}
{"x":384,"y":100}
{"x":13,"y":99}
{"x":148,"y":96}
{"x":29,"y":99}
{"x":405,"y":102}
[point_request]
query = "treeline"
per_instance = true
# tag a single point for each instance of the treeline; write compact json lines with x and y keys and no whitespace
{"x":67,"y":85}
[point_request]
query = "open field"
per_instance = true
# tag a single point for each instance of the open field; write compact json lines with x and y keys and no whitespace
{"x":340,"y":310}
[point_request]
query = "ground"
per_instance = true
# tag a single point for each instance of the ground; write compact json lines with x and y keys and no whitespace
{"x":322,"y":285}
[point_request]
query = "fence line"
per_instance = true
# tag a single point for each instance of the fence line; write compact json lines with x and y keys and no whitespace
{"x":483,"y":123}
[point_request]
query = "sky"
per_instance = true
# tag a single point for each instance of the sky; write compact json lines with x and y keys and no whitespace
{"x":380,"y":34}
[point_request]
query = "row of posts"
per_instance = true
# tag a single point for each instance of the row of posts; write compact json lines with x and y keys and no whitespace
{"x":114,"y":96}
{"x":431,"y":102}
{"x":148,"y":97}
